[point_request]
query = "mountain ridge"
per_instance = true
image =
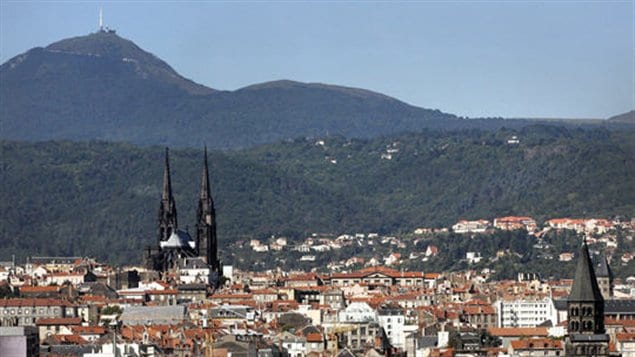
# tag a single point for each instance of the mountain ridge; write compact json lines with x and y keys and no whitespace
{"x":104,"y":87}
{"x":627,"y":118}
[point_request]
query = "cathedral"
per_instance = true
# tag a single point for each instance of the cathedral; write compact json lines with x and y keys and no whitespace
{"x":175,"y":246}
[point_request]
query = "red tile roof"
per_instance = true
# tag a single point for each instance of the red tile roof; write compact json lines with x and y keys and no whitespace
{"x":517,"y":331}
{"x":25,"y":289}
{"x":89,"y":330}
{"x":59,"y":321}
{"x":625,"y":336}
{"x":314,"y":337}
{"x":536,"y":344}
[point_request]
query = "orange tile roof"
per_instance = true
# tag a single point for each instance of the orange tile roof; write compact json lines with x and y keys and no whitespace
{"x":627,"y":324}
{"x":314,"y":337}
{"x":89,"y":330}
{"x":59,"y":321}
{"x":476,"y":310}
{"x":536,"y":344}
{"x":517,"y":331}
{"x":27,"y":289}
{"x":302,"y":277}
{"x":625,"y":336}
{"x":264,"y":292}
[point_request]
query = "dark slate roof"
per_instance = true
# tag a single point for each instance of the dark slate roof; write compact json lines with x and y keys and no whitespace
{"x":610,"y":306}
{"x":66,"y":350}
{"x":428,"y":341}
{"x":193,"y":263}
{"x":602,"y":268}
{"x":100,"y":289}
{"x":546,"y":323}
{"x":585,"y":286}
{"x":310,"y":329}
{"x":619,"y":306}
{"x":578,"y":337}
{"x":560,"y":304}
{"x":192,"y":287}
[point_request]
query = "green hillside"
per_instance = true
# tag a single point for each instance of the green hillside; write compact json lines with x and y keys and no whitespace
{"x":101,"y":199}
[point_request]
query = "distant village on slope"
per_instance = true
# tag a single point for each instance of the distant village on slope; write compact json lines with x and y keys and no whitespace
{"x":185,"y":302}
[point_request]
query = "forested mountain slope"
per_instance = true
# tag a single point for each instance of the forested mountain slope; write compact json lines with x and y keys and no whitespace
{"x":101,"y":199}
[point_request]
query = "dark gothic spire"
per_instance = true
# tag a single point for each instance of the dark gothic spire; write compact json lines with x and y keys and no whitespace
{"x":205,"y":191}
{"x":167,"y":183}
{"x":167,"y":209}
{"x":585,"y":285}
{"x":206,"y":222}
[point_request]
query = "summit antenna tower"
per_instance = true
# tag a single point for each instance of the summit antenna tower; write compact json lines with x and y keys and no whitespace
{"x":101,"y":19}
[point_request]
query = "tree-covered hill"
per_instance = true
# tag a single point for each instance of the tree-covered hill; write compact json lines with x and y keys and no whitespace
{"x":101,"y":199}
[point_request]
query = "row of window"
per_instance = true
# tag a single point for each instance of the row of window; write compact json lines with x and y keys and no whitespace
{"x":21,"y":311}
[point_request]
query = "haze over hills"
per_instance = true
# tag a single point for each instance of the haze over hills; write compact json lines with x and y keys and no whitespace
{"x":104,"y":87}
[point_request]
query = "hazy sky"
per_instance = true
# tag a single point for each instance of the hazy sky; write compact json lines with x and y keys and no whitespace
{"x":470,"y":58}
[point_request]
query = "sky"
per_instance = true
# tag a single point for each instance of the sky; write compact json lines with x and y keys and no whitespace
{"x":541,"y":59}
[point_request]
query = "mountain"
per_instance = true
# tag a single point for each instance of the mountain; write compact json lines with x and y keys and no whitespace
{"x":101,"y":199}
{"x":627,"y":118}
{"x":104,"y":87}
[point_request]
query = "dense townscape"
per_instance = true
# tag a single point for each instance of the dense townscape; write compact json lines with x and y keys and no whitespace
{"x":185,"y":302}
{"x":76,"y":306}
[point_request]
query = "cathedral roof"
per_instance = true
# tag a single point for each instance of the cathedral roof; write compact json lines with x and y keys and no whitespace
{"x":585,"y":286}
{"x":178,"y":239}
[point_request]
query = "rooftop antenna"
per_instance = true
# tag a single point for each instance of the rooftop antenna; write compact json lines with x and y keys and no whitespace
{"x":101,"y":19}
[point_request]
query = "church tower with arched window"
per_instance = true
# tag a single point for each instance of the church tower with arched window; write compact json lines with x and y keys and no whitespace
{"x":585,"y":307}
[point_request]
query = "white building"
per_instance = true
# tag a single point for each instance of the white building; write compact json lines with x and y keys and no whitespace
{"x":525,"y":312}
{"x":194,"y":270}
{"x":393,"y":321}
{"x":357,"y":312}
{"x":473,"y":257}
{"x":464,"y":226}
{"x":61,"y":278}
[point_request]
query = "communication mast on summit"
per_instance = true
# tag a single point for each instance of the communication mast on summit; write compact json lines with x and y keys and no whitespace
{"x":103,"y":28}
